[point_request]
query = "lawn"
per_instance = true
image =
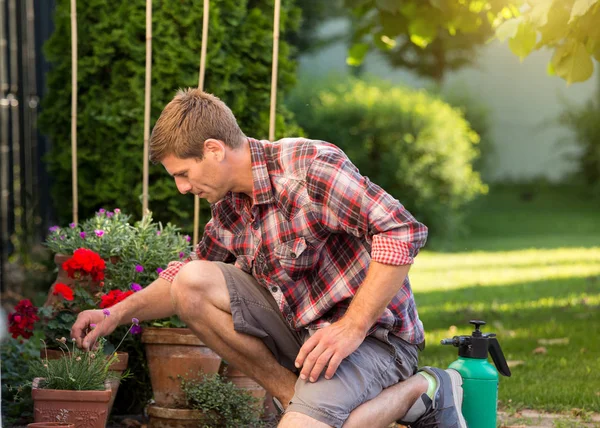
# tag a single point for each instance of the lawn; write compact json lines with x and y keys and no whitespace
{"x":531,"y":269}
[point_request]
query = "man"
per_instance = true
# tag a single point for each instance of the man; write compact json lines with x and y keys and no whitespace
{"x":300,"y":279}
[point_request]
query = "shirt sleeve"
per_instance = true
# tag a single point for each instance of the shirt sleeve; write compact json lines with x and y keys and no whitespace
{"x":209,"y":248}
{"x":346,"y":201}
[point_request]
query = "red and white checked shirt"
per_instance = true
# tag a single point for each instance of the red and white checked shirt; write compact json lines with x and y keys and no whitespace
{"x":314,"y":226}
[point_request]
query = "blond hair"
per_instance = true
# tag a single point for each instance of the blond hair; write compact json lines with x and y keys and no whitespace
{"x":191,"y":118}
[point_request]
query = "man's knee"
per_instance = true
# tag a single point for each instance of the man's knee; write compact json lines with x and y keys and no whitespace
{"x":198,"y":283}
{"x":300,"y":420}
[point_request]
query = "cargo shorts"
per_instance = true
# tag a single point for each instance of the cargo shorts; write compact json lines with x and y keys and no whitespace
{"x":382,"y":360}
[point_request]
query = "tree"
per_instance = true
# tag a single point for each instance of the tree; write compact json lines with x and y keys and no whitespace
{"x":568,"y":27}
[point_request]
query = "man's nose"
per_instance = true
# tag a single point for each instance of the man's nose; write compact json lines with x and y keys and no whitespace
{"x":183,"y":185}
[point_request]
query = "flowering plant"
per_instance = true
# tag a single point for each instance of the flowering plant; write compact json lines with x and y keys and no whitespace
{"x":78,"y":370}
{"x":22,"y":320}
{"x":138,"y":252}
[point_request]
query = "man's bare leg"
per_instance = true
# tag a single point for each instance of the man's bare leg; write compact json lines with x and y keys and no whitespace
{"x":389,"y":406}
{"x":200,"y":298}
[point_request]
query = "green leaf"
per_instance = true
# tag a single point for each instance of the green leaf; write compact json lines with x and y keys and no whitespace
{"x":356,"y":54}
{"x":538,"y":14}
{"x":556,"y":27}
{"x":550,"y":69}
{"x":508,"y":29}
{"x":572,"y":62}
{"x":524,"y":41}
{"x":422,"y":32}
{"x":580,"y":7}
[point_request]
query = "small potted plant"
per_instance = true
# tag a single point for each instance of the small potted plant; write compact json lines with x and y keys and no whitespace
{"x":78,"y":383}
{"x":211,"y":401}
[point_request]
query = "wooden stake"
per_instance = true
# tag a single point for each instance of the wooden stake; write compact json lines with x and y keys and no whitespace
{"x":147,"y":102}
{"x":205,"y":12}
{"x":74,"y":108}
{"x":272,"y":115}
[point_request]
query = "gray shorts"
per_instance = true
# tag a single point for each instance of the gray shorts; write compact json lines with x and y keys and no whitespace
{"x":380,"y":361}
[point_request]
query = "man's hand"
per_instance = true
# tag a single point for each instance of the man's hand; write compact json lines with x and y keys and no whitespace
{"x":328,"y":347}
{"x":91,"y":325}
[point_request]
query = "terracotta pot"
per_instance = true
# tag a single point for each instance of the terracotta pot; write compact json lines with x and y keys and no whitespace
{"x":173,"y":352}
{"x":162,"y":417}
{"x":85,"y":409}
{"x":118,"y":366}
{"x":50,"y":425}
{"x":239,"y":379}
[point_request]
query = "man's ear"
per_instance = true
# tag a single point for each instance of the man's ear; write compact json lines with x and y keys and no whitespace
{"x":215,"y":149}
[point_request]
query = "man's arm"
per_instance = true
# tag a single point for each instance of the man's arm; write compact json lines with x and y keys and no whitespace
{"x":330,"y":345}
{"x":153,"y":302}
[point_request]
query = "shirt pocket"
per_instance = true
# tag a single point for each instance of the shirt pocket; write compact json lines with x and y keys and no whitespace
{"x":296,"y":258}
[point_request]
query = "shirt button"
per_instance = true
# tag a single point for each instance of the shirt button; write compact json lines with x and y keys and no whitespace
{"x":274,"y":289}
{"x":293,"y":255}
{"x":255,"y":225}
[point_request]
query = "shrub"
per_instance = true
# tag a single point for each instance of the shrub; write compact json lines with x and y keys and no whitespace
{"x":415,"y":146}
{"x":111,"y":90}
{"x":584,"y":122}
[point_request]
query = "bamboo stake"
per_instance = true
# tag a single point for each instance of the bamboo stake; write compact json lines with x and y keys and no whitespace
{"x":74,"y":107}
{"x":147,"y":90}
{"x":205,"y":12}
{"x":272,"y":116}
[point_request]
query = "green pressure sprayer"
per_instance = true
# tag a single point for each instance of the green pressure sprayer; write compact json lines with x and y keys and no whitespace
{"x":480,"y":378}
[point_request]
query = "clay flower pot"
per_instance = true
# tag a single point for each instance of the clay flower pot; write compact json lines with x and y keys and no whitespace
{"x":50,"y":425}
{"x":173,"y":352}
{"x":118,"y":366}
{"x":84,"y":409}
{"x":239,"y":379}
{"x":161,"y":417}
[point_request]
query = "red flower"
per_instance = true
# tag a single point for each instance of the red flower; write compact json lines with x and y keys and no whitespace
{"x":63,"y":290}
{"x":85,"y":262}
{"x":22,"y":320}
{"x":113,"y":297}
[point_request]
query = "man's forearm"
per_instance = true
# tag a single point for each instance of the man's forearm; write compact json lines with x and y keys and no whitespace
{"x":375,"y":293}
{"x":153,"y":302}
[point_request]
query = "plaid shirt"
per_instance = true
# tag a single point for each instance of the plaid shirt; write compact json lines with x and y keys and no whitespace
{"x":314,"y":226}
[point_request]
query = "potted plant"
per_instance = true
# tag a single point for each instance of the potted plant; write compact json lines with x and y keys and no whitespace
{"x":174,"y":351}
{"x":134,"y":254}
{"x":210,"y":401}
{"x":79,"y":384}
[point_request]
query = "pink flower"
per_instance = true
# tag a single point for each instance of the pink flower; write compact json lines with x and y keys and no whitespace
{"x":159,"y":270}
{"x":101,"y":210}
{"x":139,"y":268}
{"x":54,"y":229}
{"x":106,"y":312}
{"x":109,"y":214}
{"x":135,"y":321}
{"x":72,"y":225}
{"x":82,"y":234}
{"x":158,"y":233}
{"x":136,"y":287}
{"x":99,"y":233}
{"x":136,"y":329}
{"x":187,"y":238}
{"x":117,"y":210}
{"x":181,"y":255}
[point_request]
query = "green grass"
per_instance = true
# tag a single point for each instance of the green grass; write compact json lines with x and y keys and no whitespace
{"x":531,"y":269}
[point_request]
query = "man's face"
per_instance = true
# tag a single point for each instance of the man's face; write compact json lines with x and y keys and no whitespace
{"x":204,"y":178}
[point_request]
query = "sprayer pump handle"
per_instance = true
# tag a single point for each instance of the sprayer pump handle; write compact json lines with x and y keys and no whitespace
{"x":477,"y":323}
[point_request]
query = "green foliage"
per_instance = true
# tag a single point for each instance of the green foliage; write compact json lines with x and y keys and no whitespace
{"x":584,"y":121}
{"x":145,"y":243}
{"x":16,"y":401}
{"x":221,"y":402}
{"x":427,"y":37}
{"x":447,"y":31}
{"x":413,"y":145}
{"x":76,"y":371}
{"x":111,"y":90}
{"x":570,"y":27}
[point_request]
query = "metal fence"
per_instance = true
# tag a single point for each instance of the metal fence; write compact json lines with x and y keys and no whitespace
{"x":25,"y":204}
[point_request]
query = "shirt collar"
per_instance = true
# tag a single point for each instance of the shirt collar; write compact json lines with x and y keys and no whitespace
{"x":262,"y":192}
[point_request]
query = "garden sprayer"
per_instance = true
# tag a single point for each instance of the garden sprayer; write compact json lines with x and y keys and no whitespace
{"x":480,"y":378}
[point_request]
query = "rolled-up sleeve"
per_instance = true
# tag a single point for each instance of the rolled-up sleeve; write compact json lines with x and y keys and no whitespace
{"x":209,"y":248}
{"x":346,"y":201}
